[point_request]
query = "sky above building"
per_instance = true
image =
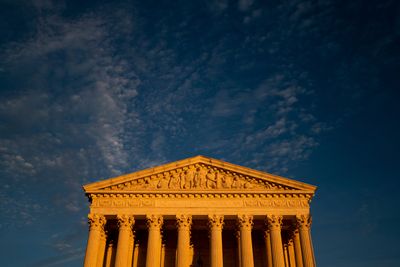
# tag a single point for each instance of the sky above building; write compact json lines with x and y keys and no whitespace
{"x":300,"y":88}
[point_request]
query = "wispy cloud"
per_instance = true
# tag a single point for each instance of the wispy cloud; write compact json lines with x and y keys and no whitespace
{"x":244,"y":5}
{"x":94,"y":106}
{"x":68,"y":132}
{"x":276,"y":130}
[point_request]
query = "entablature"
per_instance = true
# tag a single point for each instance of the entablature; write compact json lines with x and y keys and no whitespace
{"x":201,"y":203}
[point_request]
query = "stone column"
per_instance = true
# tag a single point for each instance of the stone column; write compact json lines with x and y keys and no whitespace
{"x":110,"y":254}
{"x":136,"y":255}
{"x":297,"y":248}
{"x":191,"y":257}
{"x":216,"y":252}
{"x":162,"y":255}
{"x":245,"y":225}
{"x":292,"y":257}
{"x":131,"y":246}
{"x":304,"y":224}
{"x":154,"y":223}
{"x":239,"y":250}
{"x":286,"y":254}
{"x":268,"y":252}
{"x":102,"y":249}
{"x":183,"y":247}
{"x":274,"y":223}
{"x":96,"y":229}
{"x":125,"y":223}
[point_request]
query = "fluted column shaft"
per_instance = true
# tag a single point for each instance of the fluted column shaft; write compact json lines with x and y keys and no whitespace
{"x":268,"y":251}
{"x":110,"y":254}
{"x":96,"y":229}
{"x":274,"y":223}
{"x":135,"y":255}
{"x":291,"y":253}
{"x":125,"y":223}
{"x":304,"y":224}
{"x":245,"y":225}
{"x":183,"y":247}
{"x":102,"y":249}
{"x":297,"y":248}
{"x":286,"y":254}
{"x":153,"y":257}
{"x":130,"y":251}
{"x":216,"y":223}
{"x":162,"y":255}
{"x":239,"y":250}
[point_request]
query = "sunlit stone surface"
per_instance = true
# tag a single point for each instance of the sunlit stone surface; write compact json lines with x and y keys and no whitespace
{"x":199,"y":212}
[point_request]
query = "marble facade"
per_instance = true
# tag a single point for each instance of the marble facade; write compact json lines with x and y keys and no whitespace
{"x":199,"y":212}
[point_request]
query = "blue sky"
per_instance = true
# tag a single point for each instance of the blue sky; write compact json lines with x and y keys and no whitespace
{"x":303,"y":89}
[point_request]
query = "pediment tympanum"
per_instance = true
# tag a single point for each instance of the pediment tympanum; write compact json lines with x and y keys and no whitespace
{"x":198,"y":174}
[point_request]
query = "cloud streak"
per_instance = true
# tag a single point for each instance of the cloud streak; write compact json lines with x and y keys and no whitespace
{"x":102,"y":97}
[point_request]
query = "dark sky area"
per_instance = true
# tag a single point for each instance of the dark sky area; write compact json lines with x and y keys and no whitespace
{"x":304,"y":89}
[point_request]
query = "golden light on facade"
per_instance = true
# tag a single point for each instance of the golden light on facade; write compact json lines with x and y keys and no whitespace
{"x":199,"y":212}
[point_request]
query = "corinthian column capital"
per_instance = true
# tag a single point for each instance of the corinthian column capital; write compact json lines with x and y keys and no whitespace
{"x":215,"y":221}
{"x":154,"y":221}
{"x":183,"y":221}
{"x":245,"y":221}
{"x":274,"y":221}
{"x":125,"y":221}
{"x":303,"y":221}
{"x":96,"y":221}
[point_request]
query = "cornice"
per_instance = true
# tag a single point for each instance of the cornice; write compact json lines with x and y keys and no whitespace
{"x":177,"y":194}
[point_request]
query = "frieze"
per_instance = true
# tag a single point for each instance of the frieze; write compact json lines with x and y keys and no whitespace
{"x":200,"y":202}
{"x":197,"y":177}
{"x":122,"y":202}
{"x":277,"y":203}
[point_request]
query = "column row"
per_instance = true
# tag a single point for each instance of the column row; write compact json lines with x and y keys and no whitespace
{"x":298,"y":251}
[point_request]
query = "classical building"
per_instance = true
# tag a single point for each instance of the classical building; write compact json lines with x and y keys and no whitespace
{"x":199,"y":212}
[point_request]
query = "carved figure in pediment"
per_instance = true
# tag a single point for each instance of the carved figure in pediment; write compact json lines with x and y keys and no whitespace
{"x":236,"y":182}
{"x":226,"y":180}
{"x":211,"y":180}
{"x":203,"y":176}
{"x":190,"y":174}
{"x":218,"y":179}
{"x":199,"y":177}
{"x":162,"y":181}
{"x":147,"y":183}
{"x":247,"y":185}
{"x":196,"y":179}
{"x":174,"y":181}
{"x":182,"y":178}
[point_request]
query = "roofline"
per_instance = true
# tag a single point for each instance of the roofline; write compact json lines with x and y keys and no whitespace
{"x":197,"y":159}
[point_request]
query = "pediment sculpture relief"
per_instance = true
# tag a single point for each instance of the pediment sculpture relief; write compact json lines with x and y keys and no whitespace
{"x":197,"y":177}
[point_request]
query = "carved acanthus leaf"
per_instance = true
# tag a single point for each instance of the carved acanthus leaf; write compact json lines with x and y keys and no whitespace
{"x":215,"y":221}
{"x":274,"y":221}
{"x":125,"y":221}
{"x":96,"y":221}
{"x":183,"y":221}
{"x":303,"y":221}
{"x":245,"y":221}
{"x":154,"y":221}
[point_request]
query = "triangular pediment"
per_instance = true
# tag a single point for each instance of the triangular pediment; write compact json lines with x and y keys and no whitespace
{"x":198,"y":174}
